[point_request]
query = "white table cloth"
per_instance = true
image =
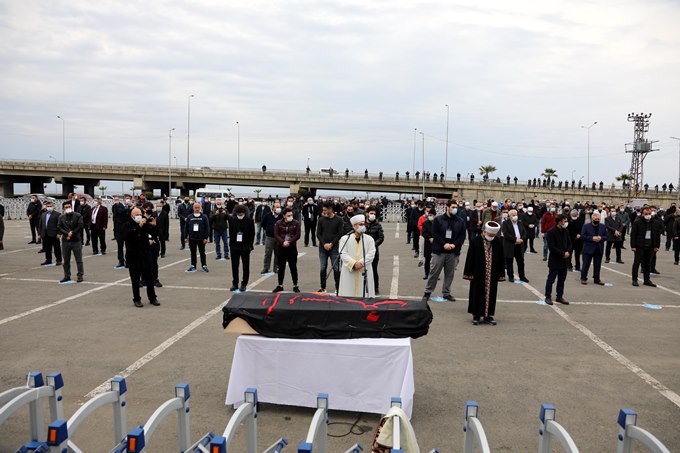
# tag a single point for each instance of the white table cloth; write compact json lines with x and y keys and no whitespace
{"x":360,"y":375}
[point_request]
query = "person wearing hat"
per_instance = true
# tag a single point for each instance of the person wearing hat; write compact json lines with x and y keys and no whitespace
{"x":484,"y":269}
{"x":559,"y":245}
{"x":357,"y":251}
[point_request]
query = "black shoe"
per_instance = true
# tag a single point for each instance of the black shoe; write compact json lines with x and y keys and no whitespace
{"x":121,"y":264}
{"x":264,"y":272}
{"x":95,"y":252}
{"x":233,"y":288}
{"x":58,"y":263}
{"x":490,"y":320}
{"x":182,"y":248}
{"x":38,"y":241}
{"x":243,"y":288}
{"x":32,"y":242}
{"x":226,"y":257}
{"x":676,"y":263}
{"x":562,"y":301}
{"x":278,"y":289}
{"x":87,"y":243}
{"x":162,"y":256}
{"x":155,"y":302}
{"x":450,"y":298}
{"x":79,"y":279}
{"x":548,"y":300}
{"x":218,"y":257}
{"x":649,"y":283}
{"x":65,"y":280}
{"x":425,"y":278}
{"x":138,"y":303}
{"x":158,"y":284}
{"x":104,"y":253}
{"x":620,"y":262}
{"x":41,"y":251}
{"x":46,"y":263}
{"x":635,"y":283}
{"x":426,"y":297}
{"x":475,"y":321}
{"x":205,"y":269}
{"x":545,"y":259}
{"x":578,"y":269}
{"x":296,"y":289}
{"x":524,"y":279}
{"x":606,"y":261}
{"x":599,"y":282}
{"x":654,"y":271}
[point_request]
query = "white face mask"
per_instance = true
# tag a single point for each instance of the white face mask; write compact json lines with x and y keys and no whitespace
{"x":49,"y":209}
{"x":371,"y":217}
{"x":159,"y":208}
{"x":648,"y":217}
{"x":68,"y":211}
{"x":552,"y":209}
{"x":514,"y":218}
{"x":653,"y":213}
{"x":289,"y":219}
{"x":277,"y":211}
{"x":361,"y":229}
{"x":431,"y":218}
{"x":565,"y":224}
{"x":138,"y":218}
{"x":197,"y":214}
{"x":240,"y":216}
{"x":289,"y":204}
{"x":489,"y":238}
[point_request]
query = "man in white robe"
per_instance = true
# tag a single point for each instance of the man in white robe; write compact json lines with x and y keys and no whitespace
{"x":357,"y":251}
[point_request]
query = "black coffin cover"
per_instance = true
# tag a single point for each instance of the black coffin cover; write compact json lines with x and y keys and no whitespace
{"x":312,"y":315}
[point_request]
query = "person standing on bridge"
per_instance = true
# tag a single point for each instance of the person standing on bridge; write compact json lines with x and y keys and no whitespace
{"x":196,"y":234}
{"x":33,"y":213}
{"x":183,"y":211}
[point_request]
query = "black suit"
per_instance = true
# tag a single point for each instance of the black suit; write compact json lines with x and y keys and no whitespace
{"x":208,"y":207}
{"x":121,"y":214}
{"x":138,"y":254}
{"x":33,"y":211}
{"x":85,"y":210}
{"x":163,"y":226}
{"x":512,"y":250}
{"x":310,"y":214}
{"x":48,"y":233}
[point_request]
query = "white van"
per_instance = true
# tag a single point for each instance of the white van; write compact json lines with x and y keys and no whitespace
{"x":206,"y":194}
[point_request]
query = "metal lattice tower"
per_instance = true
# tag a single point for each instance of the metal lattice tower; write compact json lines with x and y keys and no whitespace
{"x":640,"y":147}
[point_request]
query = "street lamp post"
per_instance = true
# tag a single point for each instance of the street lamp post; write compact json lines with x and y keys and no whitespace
{"x":415,"y":135}
{"x":588,"y":128}
{"x":238,"y":145}
{"x":170,"y":161}
{"x":677,"y":188}
{"x":63,"y":138}
{"x":446,"y":161}
{"x":423,"y":175}
{"x":572,"y":174}
{"x":188,"y":124}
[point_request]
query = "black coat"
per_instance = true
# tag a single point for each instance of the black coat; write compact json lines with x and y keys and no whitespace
{"x":475,"y":271}
{"x":246,"y":229}
{"x":163,"y":225}
{"x":575,"y":227}
{"x":509,"y":237}
{"x":137,"y":248}
{"x":559,"y":242}
{"x":639,"y":231}
{"x":51,"y":228}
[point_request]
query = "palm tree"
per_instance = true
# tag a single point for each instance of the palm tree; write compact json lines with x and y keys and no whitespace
{"x":623,"y":177}
{"x":102,"y":188}
{"x":486,"y":170}
{"x":549,"y":173}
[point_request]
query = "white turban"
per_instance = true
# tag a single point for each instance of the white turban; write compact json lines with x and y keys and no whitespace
{"x":494,"y":204}
{"x":357,"y":218}
{"x":492,"y":227}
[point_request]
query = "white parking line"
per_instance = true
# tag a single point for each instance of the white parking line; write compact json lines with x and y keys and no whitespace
{"x":394,"y":287}
{"x":9,"y":252}
{"x":642,"y":374}
{"x":158,"y":350}
{"x":396,"y":233}
{"x":629,"y":276}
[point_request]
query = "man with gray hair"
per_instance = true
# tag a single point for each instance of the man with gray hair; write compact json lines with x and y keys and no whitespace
{"x":593,"y":235}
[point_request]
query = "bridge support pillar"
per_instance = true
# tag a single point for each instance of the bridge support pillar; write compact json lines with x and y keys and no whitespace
{"x":294,"y":188}
{"x":89,"y":189}
{"x":37,"y":187}
{"x":6,"y":189}
{"x":66,"y":187}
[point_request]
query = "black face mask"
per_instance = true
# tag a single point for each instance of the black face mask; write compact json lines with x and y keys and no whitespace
{"x":596,"y":222}
{"x":149,"y":211}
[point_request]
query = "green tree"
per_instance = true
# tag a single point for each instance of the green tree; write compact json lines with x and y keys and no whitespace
{"x":486,"y":170}
{"x":623,"y":177}
{"x":103,"y":189}
{"x":549,"y":173}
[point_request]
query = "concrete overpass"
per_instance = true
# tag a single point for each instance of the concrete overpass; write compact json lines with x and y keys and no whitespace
{"x":149,"y":177}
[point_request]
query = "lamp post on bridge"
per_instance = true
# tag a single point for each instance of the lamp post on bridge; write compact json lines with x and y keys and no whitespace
{"x":677,"y":188}
{"x":238,"y":146}
{"x":63,"y":138}
{"x":446,"y":160}
{"x":588,"y":128}
{"x":415,"y":135}
{"x":188,"y":124}
{"x":170,"y":161}
{"x":423,"y":175}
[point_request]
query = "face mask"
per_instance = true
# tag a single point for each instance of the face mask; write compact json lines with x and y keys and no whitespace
{"x":361,"y":229}
{"x":127,"y":201}
{"x":489,"y":238}
{"x":648,"y":217}
{"x":277,"y":211}
{"x":289,"y":204}
{"x":565,"y":224}
{"x":479,"y":208}
{"x":240,"y":203}
{"x":159,"y":208}
{"x":50,"y":209}
{"x":197,"y":214}
{"x":33,"y":200}
{"x":371,"y":218}
{"x":431,"y":218}
{"x":240,"y":216}
{"x":186,"y":201}
{"x":454,"y":211}
{"x":309,"y":202}
{"x":612,"y":215}
{"x":552,"y":209}
{"x":350,"y":213}
{"x":653,"y":213}
{"x":596,"y":222}
{"x":68,"y":211}
{"x":149,"y":211}
{"x":504,"y":216}
{"x":514,"y":218}
{"x":621,"y":209}
{"x":138,"y":218}
{"x":219,"y":206}
{"x":289,"y":219}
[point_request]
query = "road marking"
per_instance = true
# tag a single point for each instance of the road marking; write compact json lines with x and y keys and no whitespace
{"x":19,"y":250}
{"x":394,"y":287}
{"x":642,"y":374}
{"x":630,"y":276}
{"x":158,"y":350}
{"x":73,"y":297}
{"x":396,"y":233}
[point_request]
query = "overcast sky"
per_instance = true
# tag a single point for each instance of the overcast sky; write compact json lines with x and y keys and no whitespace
{"x":343,"y":83}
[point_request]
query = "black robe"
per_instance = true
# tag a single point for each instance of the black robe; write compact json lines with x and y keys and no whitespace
{"x":475,"y":271}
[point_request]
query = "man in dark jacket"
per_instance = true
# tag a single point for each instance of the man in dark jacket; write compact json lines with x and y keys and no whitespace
{"x":98,"y":226}
{"x":85,"y":210}
{"x":514,"y":235}
{"x":137,"y":232}
{"x":241,"y":237}
{"x":310,"y":215}
{"x":184,"y":210}
{"x":70,"y":226}
{"x":49,"y":234}
{"x":121,"y":213}
{"x":329,"y":230}
{"x":427,"y":241}
{"x":163,"y":225}
{"x":375,"y":230}
{"x":196,"y":231}
{"x":268,"y":223}
{"x":644,"y":242}
{"x":416,"y":214}
{"x":33,"y":212}
{"x":219,"y":220}
{"x":261,"y":210}
{"x":208,"y":207}
{"x":575,"y":227}
{"x":594,"y":235}
{"x":448,"y":234}
{"x":287,"y":233}
{"x":615,"y":232}
{"x":559,"y":248}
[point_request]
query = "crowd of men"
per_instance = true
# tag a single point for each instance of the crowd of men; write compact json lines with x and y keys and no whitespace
{"x":348,"y":235}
